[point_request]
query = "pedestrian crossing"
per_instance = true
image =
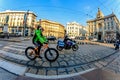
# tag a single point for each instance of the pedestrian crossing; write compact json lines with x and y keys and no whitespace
{"x":17,"y":56}
{"x":16,"y":51}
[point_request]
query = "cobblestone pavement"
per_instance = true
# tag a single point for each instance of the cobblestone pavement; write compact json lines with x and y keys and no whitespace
{"x":114,"y":66}
{"x":69,"y":62}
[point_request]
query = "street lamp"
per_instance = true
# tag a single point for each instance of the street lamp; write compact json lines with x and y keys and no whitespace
{"x":24,"y":22}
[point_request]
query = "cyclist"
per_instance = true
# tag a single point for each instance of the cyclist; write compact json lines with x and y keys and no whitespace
{"x":38,"y":39}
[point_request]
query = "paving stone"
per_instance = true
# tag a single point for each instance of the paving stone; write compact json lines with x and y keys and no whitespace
{"x":60,"y":59}
{"x":66,"y":59}
{"x":70,"y":63}
{"x":33,"y":70}
{"x":62,"y":56}
{"x":51,"y":72}
{"x":82,"y":61}
{"x":41,"y":72}
{"x":79,"y":69}
{"x":62,"y":72}
{"x":31,"y":62}
{"x":91,"y":65}
{"x":71,"y":70}
{"x":72,"y":58}
{"x":77,"y":61}
{"x":54,"y":64}
{"x":63,"y":63}
{"x":85,"y":67}
{"x":46,"y":64}
{"x":38,"y":63}
{"x":98,"y":65}
{"x":103,"y":63}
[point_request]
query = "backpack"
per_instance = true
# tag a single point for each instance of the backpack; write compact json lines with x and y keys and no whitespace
{"x":33,"y":39}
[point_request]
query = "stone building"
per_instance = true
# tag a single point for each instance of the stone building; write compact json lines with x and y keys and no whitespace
{"x":104,"y":27}
{"x":74,"y":29}
{"x":16,"y":21}
{"x":52,"y":28}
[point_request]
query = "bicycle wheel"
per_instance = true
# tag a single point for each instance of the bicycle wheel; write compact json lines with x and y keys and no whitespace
{"x":30,"y":53}
{"x":51,"y":54}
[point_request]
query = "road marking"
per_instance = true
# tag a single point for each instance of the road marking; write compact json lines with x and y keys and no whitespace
{"x":18,"y":46}
{"x":14,"y":68}
{"x":1,"y":45}
{"x":16,"y":56}
{"x":7,"y":47}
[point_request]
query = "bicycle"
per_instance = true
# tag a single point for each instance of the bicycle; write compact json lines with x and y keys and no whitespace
{"x":48,"y":53}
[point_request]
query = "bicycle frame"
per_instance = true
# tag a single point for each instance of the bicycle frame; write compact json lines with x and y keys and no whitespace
{"x":43,"y":48}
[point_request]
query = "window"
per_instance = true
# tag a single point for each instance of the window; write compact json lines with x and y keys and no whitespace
{"x":111,"y":23}
{"x":108,"y":25}
{"x":104,"y":25}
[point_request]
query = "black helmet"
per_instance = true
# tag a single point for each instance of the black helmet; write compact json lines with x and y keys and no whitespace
{"x":66,"y":36}
{"x":38,"y":27}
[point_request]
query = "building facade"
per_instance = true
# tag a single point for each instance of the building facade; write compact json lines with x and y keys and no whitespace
{"x":16,"y":21}
{"x":52,"y":28}
{"x":104,"y":27}
{"x":74,"y":29}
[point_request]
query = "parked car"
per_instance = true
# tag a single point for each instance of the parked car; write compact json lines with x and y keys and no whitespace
{"x":51,"y":38}
{"x":2,"y":35}
{"x":82,"y":38}
{"x":94,"y":39}
{"x":18,"y":34}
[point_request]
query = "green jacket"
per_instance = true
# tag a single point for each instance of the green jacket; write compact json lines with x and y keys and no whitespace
{"x":39,"y":37}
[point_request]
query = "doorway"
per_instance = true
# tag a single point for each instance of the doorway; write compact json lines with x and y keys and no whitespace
{"x":99,"y":36}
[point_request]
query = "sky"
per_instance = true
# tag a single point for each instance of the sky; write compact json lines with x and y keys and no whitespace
{"x":64,"y":11}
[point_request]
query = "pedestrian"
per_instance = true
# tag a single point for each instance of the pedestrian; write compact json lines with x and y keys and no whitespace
{"x":117,"y":43}
{"x":8,"y":35}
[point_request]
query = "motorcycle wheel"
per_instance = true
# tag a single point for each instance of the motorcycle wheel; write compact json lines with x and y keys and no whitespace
{"x":75,"y":47}
{"x":59,"y":48}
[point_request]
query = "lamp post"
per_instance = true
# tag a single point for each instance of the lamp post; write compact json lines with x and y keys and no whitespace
{"x":24,"y":22}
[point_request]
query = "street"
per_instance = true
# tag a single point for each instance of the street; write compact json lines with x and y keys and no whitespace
{"x":87,"y":58}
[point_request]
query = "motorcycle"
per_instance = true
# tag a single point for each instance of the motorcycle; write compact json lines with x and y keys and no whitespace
{"x":69,"y":44}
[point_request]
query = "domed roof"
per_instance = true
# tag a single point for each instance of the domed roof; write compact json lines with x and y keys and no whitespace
{"x":100,"y":14}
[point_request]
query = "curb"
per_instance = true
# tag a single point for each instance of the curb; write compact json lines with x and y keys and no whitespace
{"x":10,"y":40}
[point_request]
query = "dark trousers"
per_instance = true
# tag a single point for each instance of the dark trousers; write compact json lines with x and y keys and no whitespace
{"x":39,"y":45}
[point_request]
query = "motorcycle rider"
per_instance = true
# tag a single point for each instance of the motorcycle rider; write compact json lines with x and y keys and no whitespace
{"x":38,"y":38}
{"x":66,"y":39}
